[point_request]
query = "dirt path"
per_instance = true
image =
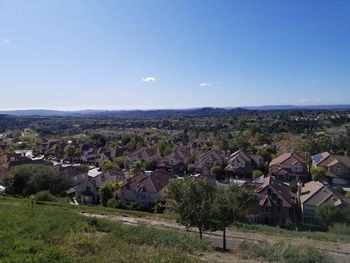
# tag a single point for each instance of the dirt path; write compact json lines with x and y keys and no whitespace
{"x":340,"y":251}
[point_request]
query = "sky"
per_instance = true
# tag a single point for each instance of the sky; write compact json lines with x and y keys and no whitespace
{"x":147,"y":54}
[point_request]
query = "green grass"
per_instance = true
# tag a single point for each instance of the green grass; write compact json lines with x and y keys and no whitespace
{"x":283,"y":253}
{"x":46,"y":233}
{"x":276,"y":231}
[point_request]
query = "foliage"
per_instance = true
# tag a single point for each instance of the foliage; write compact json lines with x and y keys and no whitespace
{"x":44,"y":196}
{"x":217,"y":170}
{"x":98,"y":140}
{"x":109,"y":165}
{"x":283,"y":252}
{"x":318,"y":173}
{"x":192,"y":201}
{"x":139,"y":167}
{"x":230,"y":205}
{"x":257,"y":173}
{"x":329,"y":214}
{"x":29,"y":179}
{"x":71,"y":152}
{"x":105,"y":193}
{"x":84,"y":167}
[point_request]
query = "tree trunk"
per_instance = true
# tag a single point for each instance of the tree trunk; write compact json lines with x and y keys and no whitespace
{"x":200,"y":233}
{"x":224,"y":238}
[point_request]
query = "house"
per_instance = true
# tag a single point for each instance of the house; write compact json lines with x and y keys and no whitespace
{"x":15,"y":159}
{"x":146,"y":189}
{"x":274,"y":205}
{"x":75,"y":173}
{"x":88,"y":154}
{"x":82,"y":186}
{"x":104,"y":154}
{"x":111,"y":176}
{"x":176,"y":162}
{"x":289,"y":166}
{"x":207,"y":160}
{"x":242,"y":164}
{"x":148,"y":155}
{"x":86,"y":191}
{"x":314,"y":194}
{"x":337,"y":167}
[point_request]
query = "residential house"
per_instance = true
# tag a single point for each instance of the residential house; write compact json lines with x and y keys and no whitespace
{"x":289,"y":166}
{"x":242,"y":164}
{"x":274,"y":205}
{"x":337,"y":167}
{"x":148,"y":155}
{"x":314,"y":194}
{"x":111,"y":176}
{"x":88,"y":153}
{"x":16,"y":159}
{"x":75,"y":172}
{"x":207,"y":160}
{"x":148,"y":188}
{"x":176,"y":162}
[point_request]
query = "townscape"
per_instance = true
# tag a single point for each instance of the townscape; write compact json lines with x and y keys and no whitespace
{"x":292,"y":172}
{"x":186,"y":131}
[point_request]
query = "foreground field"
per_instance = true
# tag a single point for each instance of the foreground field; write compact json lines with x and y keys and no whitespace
{"x":37,"y":233}
{"x":57,"y":232}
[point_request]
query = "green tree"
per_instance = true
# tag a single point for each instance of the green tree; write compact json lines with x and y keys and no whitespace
{"x":98,"y":140}
{"x":217,"y":170}
{"x":328,"y":215}
{"x":192,"y":201}
{"x":230,"y":206}
{"x":318,"y":173}
{"x":106,"y":193}
{"x":257,"y":173}
{"x":71,"y":152}
{"x":139,"y":167}
{"x":29,"y":179}
{"x":108,"y":165}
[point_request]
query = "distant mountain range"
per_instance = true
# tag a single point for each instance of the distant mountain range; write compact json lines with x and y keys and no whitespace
{"x":163,"y":113}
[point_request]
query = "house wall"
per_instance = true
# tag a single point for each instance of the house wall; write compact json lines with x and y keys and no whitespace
{"x":143,"y":197}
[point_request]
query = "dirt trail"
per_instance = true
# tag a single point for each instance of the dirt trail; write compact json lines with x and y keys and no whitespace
{"x":341,"y":251}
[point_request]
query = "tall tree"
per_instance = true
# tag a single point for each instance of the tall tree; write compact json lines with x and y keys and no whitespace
{"x":192,"y":201}
{"x":230,"y":206}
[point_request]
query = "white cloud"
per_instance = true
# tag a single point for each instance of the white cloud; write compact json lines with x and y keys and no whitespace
{"x":304,"y":100}
{"x":315,"y":80}
{"x":205,"y":84}
{"x":149,"y":79}
{"x":6,"y":41}
{"x":318,"y":100}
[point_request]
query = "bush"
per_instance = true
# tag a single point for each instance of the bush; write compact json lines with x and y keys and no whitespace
{"x":340,"y":229}
{"x":283,"y":252}
{"x":44,"y":196}
{"x":217,"y":170}
{"x":159,"y":207}
{"x":113,"y":203}
{"x":29,"y":179}
{"x":257,"y":173}
{"x":106,"y":193}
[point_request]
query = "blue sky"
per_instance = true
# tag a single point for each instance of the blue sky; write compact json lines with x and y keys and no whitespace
{"x":101,"y":54}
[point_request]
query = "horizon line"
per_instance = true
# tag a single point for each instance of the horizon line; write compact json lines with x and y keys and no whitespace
{"x":175,"y":108}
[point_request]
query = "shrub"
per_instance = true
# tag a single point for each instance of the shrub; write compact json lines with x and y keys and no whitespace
{"x":257,"y":173}
{"x":283,"y":252}
{"x":113,"y":203}
{"x":44,"y":196}
{"x":29,"y":179}
{"x":106,"y":193}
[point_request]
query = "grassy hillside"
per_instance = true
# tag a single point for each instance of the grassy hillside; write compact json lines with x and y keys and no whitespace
{"x":36,"y":233}
{"x":57,"y":232}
